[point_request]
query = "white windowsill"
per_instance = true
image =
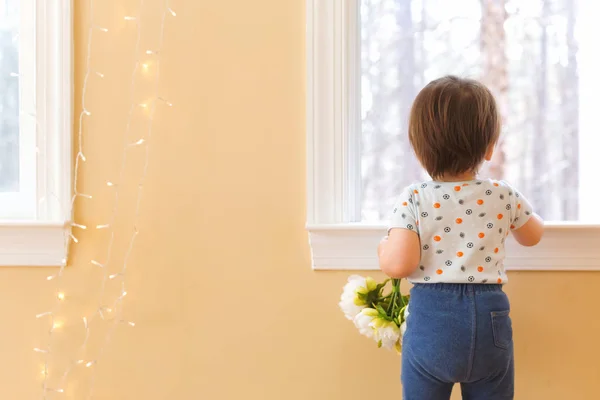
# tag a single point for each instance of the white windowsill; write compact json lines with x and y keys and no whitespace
{"x":564,"y":247}
{"x":32,"y":243}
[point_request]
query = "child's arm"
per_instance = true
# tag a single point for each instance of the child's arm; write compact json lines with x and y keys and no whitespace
{"x":526,"y":226}
{"x":531,"y":232}
{"x":399,"y":253}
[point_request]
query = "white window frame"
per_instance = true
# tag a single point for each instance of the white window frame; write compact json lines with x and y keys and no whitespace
{"x":36,"y":234}
{"x":332,"y":54}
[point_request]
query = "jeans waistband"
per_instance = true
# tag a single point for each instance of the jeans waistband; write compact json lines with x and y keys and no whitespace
{"x":460,"y":287}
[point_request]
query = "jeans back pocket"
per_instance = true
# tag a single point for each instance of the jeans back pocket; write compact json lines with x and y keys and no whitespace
{"x":502,"y":329}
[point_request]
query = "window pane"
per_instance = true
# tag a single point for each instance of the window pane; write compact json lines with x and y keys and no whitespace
{"x":9,"y":96}
{"x":526,"y":51}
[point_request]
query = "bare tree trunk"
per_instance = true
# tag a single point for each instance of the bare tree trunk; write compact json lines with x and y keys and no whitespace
{"x":408,"y":168}
{"x":381,"y":142}
{"x":540,"y":156}
{"x":570,"y":105}
{"x":422,"y":54}
{"x":495,"y":74}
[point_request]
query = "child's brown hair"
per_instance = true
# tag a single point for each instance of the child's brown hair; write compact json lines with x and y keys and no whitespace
{"x":453,"y":123}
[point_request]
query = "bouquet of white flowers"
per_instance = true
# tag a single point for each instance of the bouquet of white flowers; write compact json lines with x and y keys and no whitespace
{"x":377,"y":315}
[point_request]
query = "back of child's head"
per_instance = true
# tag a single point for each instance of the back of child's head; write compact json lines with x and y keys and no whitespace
{"x":454,"y":123}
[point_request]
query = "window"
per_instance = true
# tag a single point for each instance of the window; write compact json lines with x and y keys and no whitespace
{"x":367,"y":60}
{"x":35,"y":130}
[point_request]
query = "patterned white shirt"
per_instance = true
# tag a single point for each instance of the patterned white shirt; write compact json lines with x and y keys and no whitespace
{"x":462,"y":227}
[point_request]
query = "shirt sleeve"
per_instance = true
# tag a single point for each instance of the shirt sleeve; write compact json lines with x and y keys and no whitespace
{"x":404,"y":214}
{"x":520,"y":208}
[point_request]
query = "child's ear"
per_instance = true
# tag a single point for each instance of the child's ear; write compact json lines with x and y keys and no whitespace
{"x":489,"y":153}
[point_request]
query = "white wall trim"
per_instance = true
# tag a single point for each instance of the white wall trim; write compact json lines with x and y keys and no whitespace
{"x":565,"y":247}
{"x":54,"y":110}
{"x":32,"y":244}
{"x":40,"y":241}
{"x":329,"y":47}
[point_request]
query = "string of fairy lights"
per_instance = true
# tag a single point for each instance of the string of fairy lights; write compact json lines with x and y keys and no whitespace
{"x":106,"y":311}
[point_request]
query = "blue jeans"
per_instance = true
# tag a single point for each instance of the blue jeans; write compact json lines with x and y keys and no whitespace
{"x":458,"y":333}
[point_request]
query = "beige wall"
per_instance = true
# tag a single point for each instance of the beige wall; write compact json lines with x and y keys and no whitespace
{"x":220,"y":284}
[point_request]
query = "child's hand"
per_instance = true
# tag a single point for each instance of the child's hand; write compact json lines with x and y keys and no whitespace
{"x":382,"y":243}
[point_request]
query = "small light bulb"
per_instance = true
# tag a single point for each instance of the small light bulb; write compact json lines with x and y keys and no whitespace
{"x":144,"y":105}
{"x":102,"y":226}
{"x":145,"y":66}
{"x":38,"y":350}
{"x":123,"y":294}
{"x":166,"y":102}
{"x":129,"y":18}
{"x":113,"y":276}
{"x":87,"y":196}
{"x":86,"y":112}
{"x":100,"y":74}
{"x":74,"y":239}
{"x":131,"y":323}
{"x":97,"y":264}
{"x":61,"y":296}
{"x":173,"y":13}
{"x":57,"y":325}
{"x":110,"y":184}
{"x":103,"y":29}
{"x":79,"y":226}
{"x":89,"y":364}
{"x":79,"y":362}
{"x":82,"y":156}
{"x":141,"y":141}
{"x":85,"y":323}
{"x":49,"y":278}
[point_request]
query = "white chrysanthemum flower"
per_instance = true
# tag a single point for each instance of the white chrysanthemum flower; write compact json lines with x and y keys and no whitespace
{"x":403,"y":325}
{"x":363,"y":322}
{"x":349,"y":302}
{"x":387,"y":333}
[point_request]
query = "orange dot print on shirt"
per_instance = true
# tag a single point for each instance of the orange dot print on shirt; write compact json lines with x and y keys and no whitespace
{"x":499,"y":280}
{"x":480,"y":202}
{"x":512,"y":227}
{"x":465,"y":184}
{"x":457,"y":188}
{"x":459,"y":220}
{"x":405,"y":204}
{"x":436,"y":205}
{"x":500,"y":216}
{"x":439,"y":272}
{"x":496,"y":184}
{"x":481,"y":235}
{"x":416,"y":191}
{"x":480,"y":268}
{"x":519,"y":206}
{"x":459,"y":254}
{"x":496,"y":250}
{"x":437,"y":238}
